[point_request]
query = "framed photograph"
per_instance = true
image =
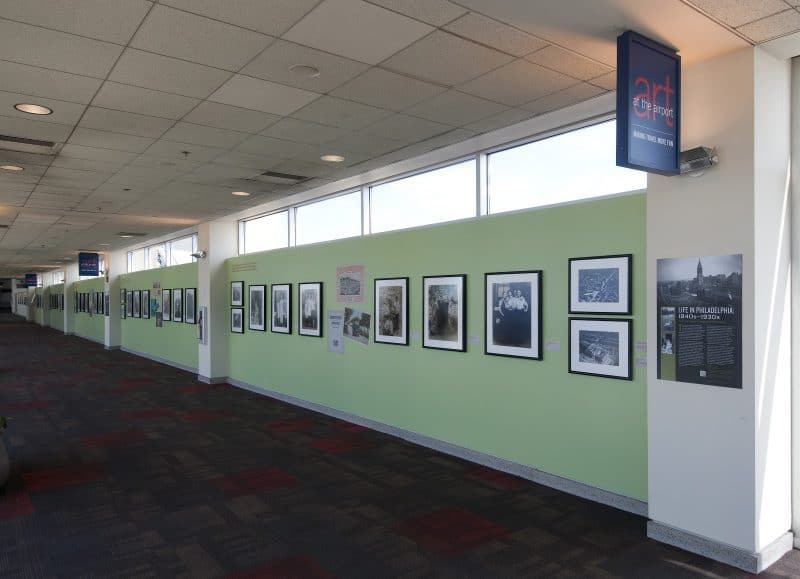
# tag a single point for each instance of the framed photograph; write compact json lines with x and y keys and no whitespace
{"x":310,"y":307}
{"x":444,"y":313}
{"x":137,"y":304}
{"x":600,"y":347}
{"x":61,"y":302}
{"x":282,"y":308}
{"x":513,"y":305}
{"x":107,"y":304}
{"x":237,"y":320}
{"x":123,"y":300}
{"x":166,"y":305}
{"x":190,"y":307}
{"x":129,"y":304}
{"x":257,"y":308}
{"x":177,"y":305}
{"x":100,"y":303}
{"x":237,"y":293}
{"x":600,"y":285}
{"x":391,"y":311}
{"x":146,"y":304}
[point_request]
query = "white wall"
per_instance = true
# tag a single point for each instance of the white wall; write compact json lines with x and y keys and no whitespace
{"x":796,"y":292}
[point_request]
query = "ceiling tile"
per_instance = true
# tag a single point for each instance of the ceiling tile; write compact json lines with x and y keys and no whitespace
{"x":228,"y":117}
{"x":505,"y":119}
{"x":455,"y":108}
{"x":741,"y":11}
{"x":56,"y":50}
{"x":108,"y":140}
{"x":237,"y":158}
{"x":262,"y":95}
{"x":570,"y":96}
{"x":167,"y":74}
{"x":15,"y":157}
{"x":86,"y":164}
{"x":42,"y":82}
{"x":127,"y":123}
{"x":275,"y":62}
{"x":772,"y":26}
{"x":215,"y":173}
{"x":272,"y":148}
{"x":76,"y":151}
{"x":357,"y":30}
{"x":365,"y":143}
{"x":134,"y":99}
{"x":389,"y":90}
{"x":564,"y":61}
{"x":79,"y":178}
{"x":33,"y":129}
{"x":168,"y":150}
{"x":109,"y":20}
{"x":340,"y":113}
{"x":407,"y":129}
{"x":606,"y":81}
{"x":195,"y":38}
{"x":517,"y":83}
{"x":436,"y":12}
{"x":304,"y":168}
{"x":446,"y":59}
{"x":203,"y":135}
{"x":303,"y":131}
{"x":492,"y":33}
{"x":273,"y":17}
{"x":64,"y":112}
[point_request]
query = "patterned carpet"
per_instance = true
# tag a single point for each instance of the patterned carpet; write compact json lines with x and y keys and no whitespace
{"x":126,"y":468}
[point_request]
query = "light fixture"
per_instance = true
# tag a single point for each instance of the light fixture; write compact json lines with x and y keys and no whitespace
{"x":33,"y":109}
{"x":11,"y":168}
{"x":241,"y":193}
{"x":332,"y":158}
{"x":103,"y":244}
{"x":125,"y":235}
{"x":305,"y":70}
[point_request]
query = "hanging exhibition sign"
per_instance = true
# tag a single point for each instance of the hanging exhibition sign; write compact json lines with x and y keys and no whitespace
{"x":88,"y":264}
{"x":648,"y":105}
{"x":31,"y":280}
{"x":700,"y":320}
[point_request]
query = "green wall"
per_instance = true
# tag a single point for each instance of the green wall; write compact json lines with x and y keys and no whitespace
{"x":174,"y":341}
{"x":89,"y":326}
{"x":535,"y":413}
{"x":39,"y":311}
{"x":56,"y":316}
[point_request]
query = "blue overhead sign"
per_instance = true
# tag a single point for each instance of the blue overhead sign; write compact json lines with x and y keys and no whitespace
{"x":31,"y":280}
{"x":648,"y":105}
{"x":88,"y":264}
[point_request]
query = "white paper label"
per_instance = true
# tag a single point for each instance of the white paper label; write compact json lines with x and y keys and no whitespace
{"x":641,"y":362}
{"x":415,"y":334}
{"x":474,"y":340}
{"x":641,"y":346}
{"x":552,"y":346}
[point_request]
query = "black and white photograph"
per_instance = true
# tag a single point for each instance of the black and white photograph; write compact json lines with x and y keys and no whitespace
{"x":513,"y":303}
{"x":600,"y":347}
{"x":282,"y":308}
{"x":99,"y":303}
{"x":444,"y":312}
{"x":256,"y":308}
{"x":237,"y":293}
{"x":106,"y":305}
{"x":600,"y":285}
{"x":123,"y":308}
{"x":137,"y":304}
{"x":177,"y":304}
{"x":166,"y":305}
{"x":146,"y":304}
{"x":129,"y":304}
{"x":310,"y":309}
{"x":356,"y":325}
{"x":237,"y":320}
{"x":391,"y":311}
{"x":190,"y":306}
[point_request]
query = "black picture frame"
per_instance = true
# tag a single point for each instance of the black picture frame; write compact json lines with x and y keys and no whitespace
{"x":431,"y":318}
{"x":622,"y":263}
{"x":513,"y":319}
{"x":237,"y":293}
{"x":129,"y":304}
{"x":146,"y":304}
{"x":303,"y":327}
{"x":123,"y":309}
{"x":256,"y":307}
{"x":237,"y":324}
{"x":166,"y":305}
{"x":190,"y":305}
{"x":177,"y":304}
{"x":283,"y":291}
{"x":578,"y":348}
{"x":387,"y":320}
{"x":137,"y":303}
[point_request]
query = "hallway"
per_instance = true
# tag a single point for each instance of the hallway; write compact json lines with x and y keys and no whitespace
{"x":122,"y":467}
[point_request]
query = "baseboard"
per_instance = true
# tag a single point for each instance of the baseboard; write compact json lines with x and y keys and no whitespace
{"x":113,"y":347}
{"x":566,"y":485}
{"x":160,"y":360}
{"x":207,"y":380}
{"x":723,"y":552}
{"x":89,"y":338}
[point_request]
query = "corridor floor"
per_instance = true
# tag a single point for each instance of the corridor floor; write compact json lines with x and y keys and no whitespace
{"x":126,"y":468}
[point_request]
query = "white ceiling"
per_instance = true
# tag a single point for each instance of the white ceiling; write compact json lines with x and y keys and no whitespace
{"x":164,"y":108}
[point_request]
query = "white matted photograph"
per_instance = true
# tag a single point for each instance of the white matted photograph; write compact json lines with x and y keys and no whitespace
{"x":600,"y":285}
{"x":310,"y":306}
{"x":282,"y":308}
{"x":237,"y":293}
{"x":137,"y":304}
{"x":513,"y":303}
{"x":600,"y":347}
{"x":190,"y":306}
{"x":128,"y":304}
{"x":256,"y":308}
{"x":146,"y":304}
{"x":166,"y":305}
{"x":237,"y":320}
{"x":391,"y":311}
{"x":177,"y":305}
{"x":444,"y":312}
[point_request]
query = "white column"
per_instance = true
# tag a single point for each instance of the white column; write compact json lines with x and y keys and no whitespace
{"x":219,"y":240}
{"x":15,"y":287}
{"x":796,"y":298}
{"x":719,"y":476}
{"x":70,"y":278}
{"x":116,"y":265}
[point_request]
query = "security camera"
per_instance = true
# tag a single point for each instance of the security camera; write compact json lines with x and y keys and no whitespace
{"x":695,"y":161}
{"x":199,"y":254}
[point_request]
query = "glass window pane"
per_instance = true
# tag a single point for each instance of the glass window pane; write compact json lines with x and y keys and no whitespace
{"x":180,"y":250}
{"x":576,"y":165}
{"x":137,"y":260}
{"x":268,"y":232}
{"x":440,"y":195}
{"x":333,"y":218}
{"x":157,"y":256}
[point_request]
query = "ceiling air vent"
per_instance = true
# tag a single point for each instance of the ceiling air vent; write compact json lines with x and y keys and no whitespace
{"x":130,"y":234}
{"x":280,"y":178}
{"x":22,"y":145}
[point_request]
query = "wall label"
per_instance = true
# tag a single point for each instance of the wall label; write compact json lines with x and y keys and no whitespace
{"x":554,"y":346}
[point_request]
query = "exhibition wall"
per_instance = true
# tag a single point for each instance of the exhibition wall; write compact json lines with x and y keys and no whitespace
{"x":532,"y":412}
{"x":39,"y":311}
{"x":57,"y":315}
{"x":89,"y":326}
{"x":174,"y":342}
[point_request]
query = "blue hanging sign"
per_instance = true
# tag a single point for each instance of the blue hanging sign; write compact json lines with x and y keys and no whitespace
{"x":88,"y":264}
{"x":648,"y":105}
{"x":31,"y":280}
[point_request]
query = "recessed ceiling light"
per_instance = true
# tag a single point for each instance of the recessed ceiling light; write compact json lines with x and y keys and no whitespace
{"x":332,"y":158}
{"x":33,"y":109}
{"x":103,"y":244}
{"x":11,"y":168}
{"x":305,"y":70}
{"x":241,"y":193}
{"x":125,"y":235}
